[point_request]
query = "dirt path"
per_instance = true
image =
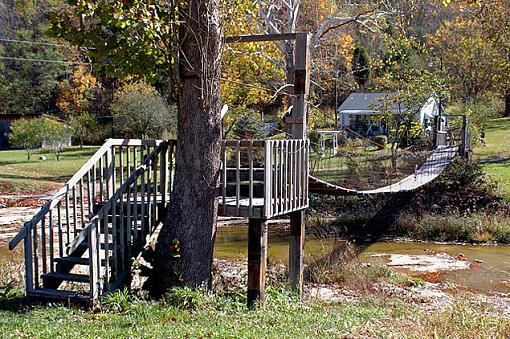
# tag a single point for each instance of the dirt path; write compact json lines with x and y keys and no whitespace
{"x":15,"y":210}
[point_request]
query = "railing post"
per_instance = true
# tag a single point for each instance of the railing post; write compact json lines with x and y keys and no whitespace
{"x":109,"y":173}
{"x":268,"y":192}
{"x":29,"y":269}
{"x":163,"y":172}
{"x":94,"y":263}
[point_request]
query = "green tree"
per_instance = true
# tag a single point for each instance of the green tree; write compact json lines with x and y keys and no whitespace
{"x":83,"y":126}
{"x":28,"y":86}
{"x":361,"y":66}
{"x":400,"y":108}
{"x":146,"y":40}
{"x":141,"y":112}
{"x":27,"y":133}
{"x":56,"y":135}
{"x":249,"y":126}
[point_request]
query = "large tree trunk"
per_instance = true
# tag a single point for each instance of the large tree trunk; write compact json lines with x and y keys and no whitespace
{"x":507,"y":103}
{"x":185,"y":244}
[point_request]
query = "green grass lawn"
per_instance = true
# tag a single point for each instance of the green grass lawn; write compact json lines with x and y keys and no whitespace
{"x":18,"y":175}
{"x":497,"y":140}
{"x":195,"y":315}
{"x":497,"y":149}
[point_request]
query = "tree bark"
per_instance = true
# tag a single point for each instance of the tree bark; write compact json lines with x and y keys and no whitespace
{"x":185,"y":244}
{"x":507,"y":103}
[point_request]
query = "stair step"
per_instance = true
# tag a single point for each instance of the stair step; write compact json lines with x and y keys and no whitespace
{"x":48,"y":293}
{"x":85,"y":245}
{"x":76,"y":261}
{"x":82,"y":278}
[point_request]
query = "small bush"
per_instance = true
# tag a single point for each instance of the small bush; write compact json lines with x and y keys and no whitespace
{"x":185,"y":298}
{"x":381,"y":141}
{"x":118,"y":301}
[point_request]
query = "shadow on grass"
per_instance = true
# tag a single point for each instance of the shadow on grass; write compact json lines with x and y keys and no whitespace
{"x":12,"y":298}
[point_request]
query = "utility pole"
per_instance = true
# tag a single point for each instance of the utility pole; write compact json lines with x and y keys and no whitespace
{"x":336,"y":86}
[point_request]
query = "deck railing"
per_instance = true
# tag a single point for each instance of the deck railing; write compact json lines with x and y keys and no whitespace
{"x":53,"y":231}
{"x":263,"y":179}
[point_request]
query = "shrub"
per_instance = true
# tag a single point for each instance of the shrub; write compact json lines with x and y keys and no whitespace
{"x":381,"y":141}
{"x":185,"y":298}
{"x":141,"y":112}
{"x":56,"y":135}
{"x":26,"y":133}
{"x":83,"y":126}
{"x":249,"y":126}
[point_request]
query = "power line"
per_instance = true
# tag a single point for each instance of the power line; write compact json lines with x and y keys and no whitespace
{"x":40,"y":43}
{"x":44,"y":60}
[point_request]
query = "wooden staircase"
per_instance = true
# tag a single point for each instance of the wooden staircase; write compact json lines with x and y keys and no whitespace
{"x":81,"y":243}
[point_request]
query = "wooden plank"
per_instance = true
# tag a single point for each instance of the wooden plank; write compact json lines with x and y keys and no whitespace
{"x":257,"y":258}
{"x":244,"y":143}
{"x":258,"y":38}
{"x":296,"y":250}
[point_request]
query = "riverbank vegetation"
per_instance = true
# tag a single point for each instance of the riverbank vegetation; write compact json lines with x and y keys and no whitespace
{"x":184,"y":312}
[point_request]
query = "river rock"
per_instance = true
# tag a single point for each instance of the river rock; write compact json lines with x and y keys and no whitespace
{"x":427,"y":263}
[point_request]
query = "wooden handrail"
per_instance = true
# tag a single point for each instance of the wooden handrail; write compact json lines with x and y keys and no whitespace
{"x":108,"y":205}
{"x":73,"y":181}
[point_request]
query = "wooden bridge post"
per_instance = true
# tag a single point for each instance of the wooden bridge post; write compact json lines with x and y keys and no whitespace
{"x":297,"y":126}
{"x":257,"y":257}
{"x":296,"y":250}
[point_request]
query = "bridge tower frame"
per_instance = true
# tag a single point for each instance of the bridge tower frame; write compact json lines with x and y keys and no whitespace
{"x":297,"y":123}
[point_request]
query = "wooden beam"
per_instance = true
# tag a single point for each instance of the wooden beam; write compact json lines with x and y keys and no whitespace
{"x":259,"y":38}
{"x":257,"y":257}
{"x":296,"y":250}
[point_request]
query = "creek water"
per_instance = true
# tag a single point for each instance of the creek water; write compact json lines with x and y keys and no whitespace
{"x":489,"y":273}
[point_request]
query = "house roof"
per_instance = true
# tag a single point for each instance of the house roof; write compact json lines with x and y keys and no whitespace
{"x":362,"y":102}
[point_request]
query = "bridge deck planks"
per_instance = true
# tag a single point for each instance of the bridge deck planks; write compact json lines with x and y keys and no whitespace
{"x":430,"y":170}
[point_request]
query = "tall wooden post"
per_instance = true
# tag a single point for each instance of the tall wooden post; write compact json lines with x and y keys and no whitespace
{"x":297,"y":126}
{"x":257,"y":257}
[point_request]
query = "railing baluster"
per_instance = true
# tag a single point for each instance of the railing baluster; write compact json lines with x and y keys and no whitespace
{"x":286,"y":173}
{"x":250,"y":165}
{"x":267,"y":179}
{"x":115,"y":234}
{"x":29,"y":269}
{"x":238,"y":177}
{"x":50,"y":225}
{"x":75,"y":213}
{"x":224,"y":176}
{"x":35,"y":255}
{"x":68,"y":220}
{"x":122,"y":231}
{"x":94,"y":268}
{"x":142,"y":200}
{"x":89,"y":196}
{"x":43,"y":245}
{"x":101,"y":179}
{"x":106,"y":250}
{"x":60,"y":237}
{"x":82,"y":209}
{"x":154,"y":190}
